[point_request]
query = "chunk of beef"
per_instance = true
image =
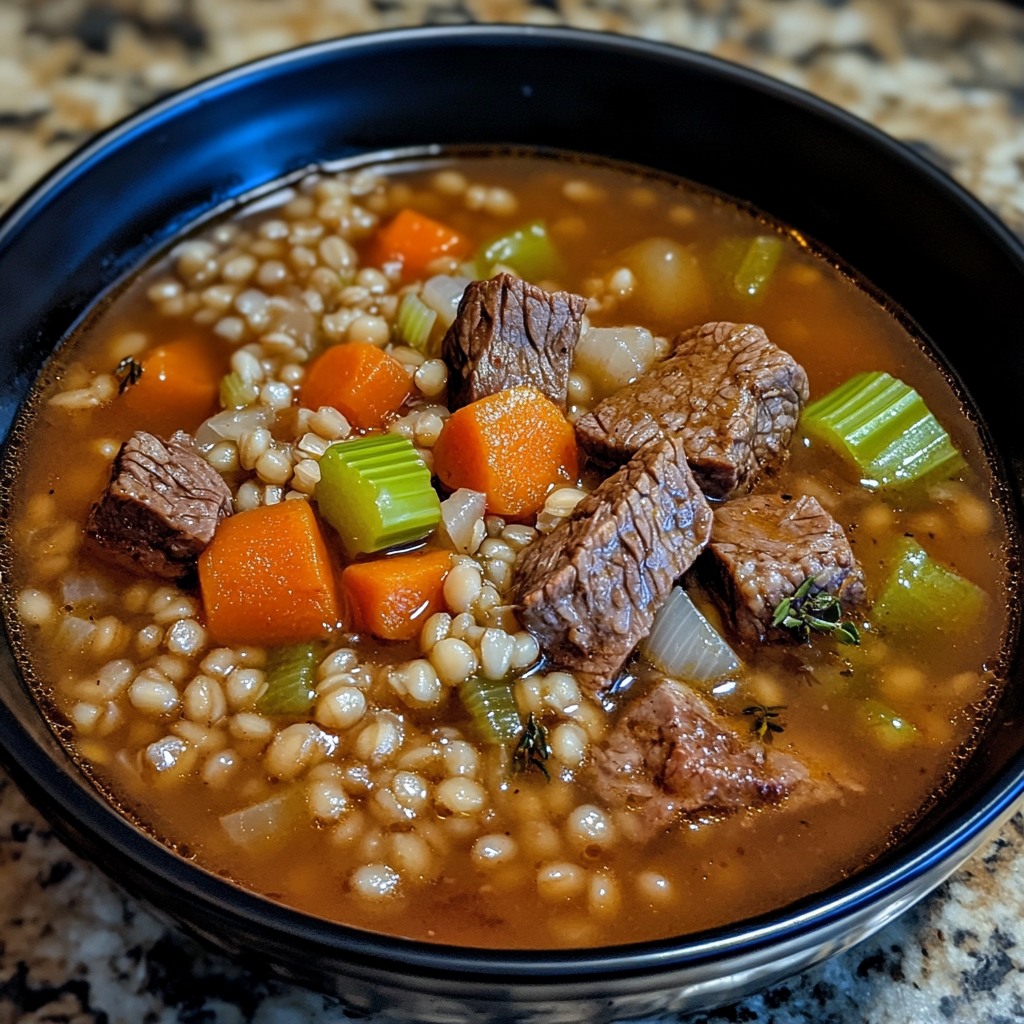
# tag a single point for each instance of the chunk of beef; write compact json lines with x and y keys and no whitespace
{"x":588,"y":591}
{"x":160,"y":508}
{"x":763,"y":546}
{"x":731,"y":394}
{"x":670,"y":755}
{"x":509,"y":332}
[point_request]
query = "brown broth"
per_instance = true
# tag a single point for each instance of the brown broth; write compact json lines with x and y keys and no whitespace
{"x":704,"y":872}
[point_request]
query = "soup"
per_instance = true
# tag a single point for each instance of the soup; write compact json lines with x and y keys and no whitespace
{"x":508,"y":551}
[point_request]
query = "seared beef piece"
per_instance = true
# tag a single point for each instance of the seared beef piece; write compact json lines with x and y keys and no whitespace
{"x":669,"y":754}
{"x":588,"y":591}
{"x":509,"y":332}
{"x":160,"y":508}
{"x":725,"y":389}
{"x":763,"y":546}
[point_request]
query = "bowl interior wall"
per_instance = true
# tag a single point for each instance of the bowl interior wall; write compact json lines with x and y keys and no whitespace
{"x":890,"y":216}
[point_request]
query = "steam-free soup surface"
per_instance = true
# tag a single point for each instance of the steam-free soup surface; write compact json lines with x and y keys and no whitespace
{"x":380,"y":804}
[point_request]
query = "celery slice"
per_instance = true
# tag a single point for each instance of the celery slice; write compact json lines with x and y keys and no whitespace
{"x":289,"y":674}
{"x":921,"y":595}
{"x":884,"y":428}
{"x":414,"y":321}
{"x":376,"y":492}
{"x":757,"y":266}
{"x":747,"y":264}
{"x":236,"y":392}
{"x":492,"y":709}
{"x":528,"y":250}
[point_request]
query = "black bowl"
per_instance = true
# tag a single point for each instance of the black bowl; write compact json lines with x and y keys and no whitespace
{"x":892,"y":216}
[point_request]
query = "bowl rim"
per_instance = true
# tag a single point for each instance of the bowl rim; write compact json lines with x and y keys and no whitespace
{"x":45,"y":779}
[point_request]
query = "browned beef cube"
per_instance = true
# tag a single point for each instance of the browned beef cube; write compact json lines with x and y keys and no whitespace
{"x":763,"y":546}
{"x":160,"y":509}
{"x":509,"y":332}
{"x":588,"y":591}
{"x":670,"y":755}
{"x":731,"y":394}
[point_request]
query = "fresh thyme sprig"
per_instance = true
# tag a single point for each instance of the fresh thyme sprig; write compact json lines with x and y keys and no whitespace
{"x":532,"y":749}
{"x":820,"y":612}
{"x":127,"y":372}
{"x":766,"y":720}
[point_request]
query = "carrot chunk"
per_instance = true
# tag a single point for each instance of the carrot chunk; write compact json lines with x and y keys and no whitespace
{"x":362,"y":382}
{"x":513,"y":446}
{"x":178,"y":386}
{"x":392,"y":597}
{"x":266,"y":577}
{"x":415,"y":241}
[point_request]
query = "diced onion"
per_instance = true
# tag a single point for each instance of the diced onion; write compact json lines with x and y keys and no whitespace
{"x":670,"y":283}
{"x":443,"y":293}
{"x":75,"y":632}
{"x":232,"y":424}
{"x":613,"y":357}
{"x":558,"y":505}
{"x":684,"y":645}
{"x":83,"y":588}
{"x":459,"y":514}
{"x":259,"y":824}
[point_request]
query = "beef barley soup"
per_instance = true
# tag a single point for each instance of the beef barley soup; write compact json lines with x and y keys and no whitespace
{"x":507,"y":551}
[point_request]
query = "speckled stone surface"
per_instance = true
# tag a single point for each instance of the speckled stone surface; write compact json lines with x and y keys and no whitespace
{"x":947,"y":76}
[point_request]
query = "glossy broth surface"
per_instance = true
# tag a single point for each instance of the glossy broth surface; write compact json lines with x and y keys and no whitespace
{"x":390,"y":814}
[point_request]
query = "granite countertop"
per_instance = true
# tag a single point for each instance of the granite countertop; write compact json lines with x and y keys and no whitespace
{"x":947,"y":76}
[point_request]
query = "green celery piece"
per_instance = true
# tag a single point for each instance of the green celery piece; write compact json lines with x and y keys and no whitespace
{"x":891,"y":729}
{"x":726,"y":257}
{"x":757,"y":266}
{"x":492,"y":708}
{"x":921,"y":595}
{"x":376,"y":492}
{"x":745,"y":265}
{"x":289,"y":673}
{"x":528,"y":250}
{"x":236,"y":392}
{"x":884,"y":428}
{"x":414,"y":322}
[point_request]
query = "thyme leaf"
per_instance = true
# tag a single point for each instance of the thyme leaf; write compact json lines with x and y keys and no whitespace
{"x":127,"y":372}
{"x":532,"y":749}
{"x":805,"y":612}
{"x":765,"y":720}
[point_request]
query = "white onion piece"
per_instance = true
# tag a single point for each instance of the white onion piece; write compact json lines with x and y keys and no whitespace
{"x":264,"y":822}
{"x":613,"y":357}
{"x":684,"y":645}
{"x":443,"y":293}
{"x":74,"y":632}
{"x":460,"y":512}
{"x":670,"y":284}
{"x":558,"y":505}
{"x":293,"y":318}
{"x":81,"y":588}
{"x":231,"y":424}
